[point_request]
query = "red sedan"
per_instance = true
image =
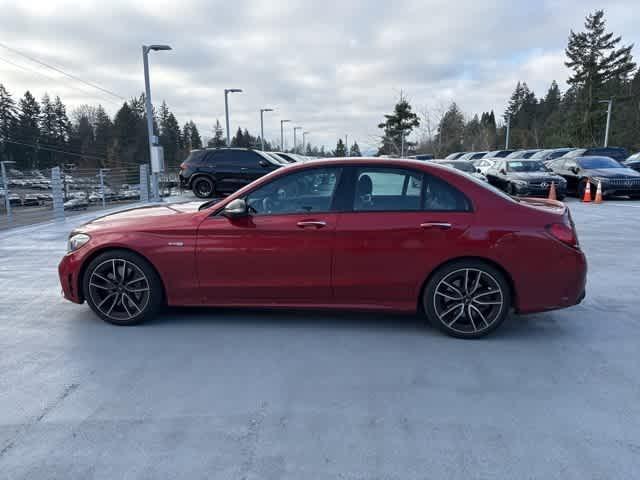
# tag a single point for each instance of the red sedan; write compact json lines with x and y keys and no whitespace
{"x":365,"y":234}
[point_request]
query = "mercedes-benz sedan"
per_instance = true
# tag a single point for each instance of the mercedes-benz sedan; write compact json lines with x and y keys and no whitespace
{"x":365,"y":234}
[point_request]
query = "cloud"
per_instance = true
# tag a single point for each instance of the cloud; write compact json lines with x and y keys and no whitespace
{"x":334,"y":67}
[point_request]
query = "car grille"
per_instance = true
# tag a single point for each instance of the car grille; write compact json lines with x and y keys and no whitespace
{"x":622,"y":182}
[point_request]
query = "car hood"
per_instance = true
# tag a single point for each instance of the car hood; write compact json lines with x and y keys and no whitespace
{"x":141,"y":216}
{"x":613,"y":172}
{"x":535,"y":176}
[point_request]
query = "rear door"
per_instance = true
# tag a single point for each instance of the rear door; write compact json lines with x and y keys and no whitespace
{"x":397,"y":226}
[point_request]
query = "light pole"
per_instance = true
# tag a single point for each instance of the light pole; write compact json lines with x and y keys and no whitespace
{"x":227,"y":91}
{"x":7,"y":202}
{"x":346,"y":145}
{"x":506,"y":142}
{"x":606,"y":132}
{"x":262,"y":110}
{"x":149,"y":110}
{"x":295,"y":143}
{"x":282,"y":122}
{"x":304,"y":141}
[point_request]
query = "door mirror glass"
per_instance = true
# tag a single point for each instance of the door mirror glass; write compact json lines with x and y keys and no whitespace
{"x":235,"y":208}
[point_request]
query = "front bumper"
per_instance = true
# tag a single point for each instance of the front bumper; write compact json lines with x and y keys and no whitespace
{"x":532,"y":190}
{"x":69,"y":274}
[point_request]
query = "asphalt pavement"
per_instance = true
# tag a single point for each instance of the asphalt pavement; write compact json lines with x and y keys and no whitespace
{"x":235,"y":394}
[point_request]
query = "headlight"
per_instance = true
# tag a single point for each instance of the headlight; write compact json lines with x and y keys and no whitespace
{"x":76,"y":241}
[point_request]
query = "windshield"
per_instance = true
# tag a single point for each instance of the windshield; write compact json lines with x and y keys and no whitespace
{"x":530,"y":166}
{"x":540,"y":154}
{"x":589,"y":163}
{"x":463,"y":166}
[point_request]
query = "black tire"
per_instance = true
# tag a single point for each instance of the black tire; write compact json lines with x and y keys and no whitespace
{"x":479,"y":303}
{"x":134,"y":301}
{"x":203,"y":187}
{"x":511,"y":190}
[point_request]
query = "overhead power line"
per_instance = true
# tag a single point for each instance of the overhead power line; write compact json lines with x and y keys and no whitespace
{"x":59,"y":70}
{"x":55,"y":150}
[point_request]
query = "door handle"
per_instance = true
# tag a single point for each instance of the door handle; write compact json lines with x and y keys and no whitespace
{"x":440,"y":225}
{"x":312,"y":223}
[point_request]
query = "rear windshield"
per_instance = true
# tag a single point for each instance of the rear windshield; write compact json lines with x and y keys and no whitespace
{"x":530,"y":166}
{"x":463,"y":166}
{"x":618,"y":154}
{"x":598,"y":162}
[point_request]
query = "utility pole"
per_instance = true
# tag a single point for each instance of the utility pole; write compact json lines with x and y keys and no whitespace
{"x":304,"y":142}
{"x":7,"y":202}
{"x":295,"y":141}
{"x":606,"y":132}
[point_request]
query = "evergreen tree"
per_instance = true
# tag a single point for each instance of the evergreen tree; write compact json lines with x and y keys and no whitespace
{"x":185,"y":139}
{"x":47,"y":121}
{"x":341,"y":150}
{"x":62,"y":125}
{"x":596,"y":58}
{"x":103,"y":131}
{"x":196,"y":140}
{"x":8,"y":114}
{"x":218,"y":136}
{"x":171,"y":139}
{"x":354,"y":151}
{"x":397,"y":127}
{"x":451,"y":130}
{"x":28,"y":131}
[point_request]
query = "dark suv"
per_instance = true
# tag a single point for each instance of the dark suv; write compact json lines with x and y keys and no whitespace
{"x":221,"y":171}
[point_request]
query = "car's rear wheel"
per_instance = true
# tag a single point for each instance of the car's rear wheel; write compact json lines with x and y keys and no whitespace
{"x":122,"y":288}
{"x":203,"y":187}
{"x":467,"y":299}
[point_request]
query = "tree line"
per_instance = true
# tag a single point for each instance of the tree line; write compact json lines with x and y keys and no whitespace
{"x":600,"y":67}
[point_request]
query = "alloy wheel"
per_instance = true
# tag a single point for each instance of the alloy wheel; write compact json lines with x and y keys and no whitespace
{"x":204,"y":188}
{"x":468,"y":301}
{"x":119,"y":289}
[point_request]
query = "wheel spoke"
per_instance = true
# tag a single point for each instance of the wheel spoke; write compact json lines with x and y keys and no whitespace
{"x":104,"y":300}
{"x":486,"y":293}
{"x":449,"y":297}
{"x":104,"y":279}
{"x":135,"y":280}
{"x":478,"y":302}
{"x":102,"y":287}
{"x":115,"y":273}
{"x":451,"y":309}
{"x":115,"y":301}
{"x":470,"y":318}
{"x":125,"y":306}
{"x":458,"y":315}
{"x":476,"y":284}
{"x":132,"y":302}
{"x":466,"y":281}
{"x":477,"y":310}
{"x":448,"y":285}
{"x":136,"y":290}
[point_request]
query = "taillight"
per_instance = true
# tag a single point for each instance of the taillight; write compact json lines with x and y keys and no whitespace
{"x":563,"y":233}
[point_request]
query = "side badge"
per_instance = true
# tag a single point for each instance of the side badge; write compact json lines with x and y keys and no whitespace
{"x":176,"y":244}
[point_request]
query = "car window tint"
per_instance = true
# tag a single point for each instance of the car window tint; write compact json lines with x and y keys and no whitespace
{"x":387,"y":189}
{"x":300,"y":192}
{"x":441,"y":196}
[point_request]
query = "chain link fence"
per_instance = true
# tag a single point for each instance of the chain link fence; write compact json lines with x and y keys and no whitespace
{"x":33,"y":196}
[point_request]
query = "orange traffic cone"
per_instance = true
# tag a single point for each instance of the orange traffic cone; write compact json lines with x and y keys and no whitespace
{"x":587,"y":193}
{"x":552,"y":192}
{"x":599,"y":193}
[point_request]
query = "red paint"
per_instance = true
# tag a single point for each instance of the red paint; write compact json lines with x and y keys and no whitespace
{"x":359,"y":260}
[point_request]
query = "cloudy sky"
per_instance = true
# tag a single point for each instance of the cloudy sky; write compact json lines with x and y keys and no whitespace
{"x":333,"y":67}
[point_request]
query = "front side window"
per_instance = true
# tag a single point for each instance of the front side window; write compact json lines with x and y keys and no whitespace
{"x":309,"y":191}
{"x":526,"y":166}
{"x":380,"y":189}
{"x":589,"y":163}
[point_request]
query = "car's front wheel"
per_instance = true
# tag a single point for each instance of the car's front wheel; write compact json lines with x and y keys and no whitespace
{"x":467,"y":299}
{"x":203,"y":187}
{"x":122,"y":288}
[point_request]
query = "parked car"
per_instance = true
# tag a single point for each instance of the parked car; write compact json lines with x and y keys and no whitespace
{"x":633,"y":162}
{"x":278,"y":158}
{"x":498,"y":153}
{"x":617,"y":153}
{"x":464,"y":166}
{"x":483,"y":164}
{"x":76,"y":204}
{"x":14,"y":199}
{"x":615,"y":178}
{"x":221,"y":171}
{"x":550,"y":154}
{"x":387,"y":235}
{"x":524,"y":177}
{"x":421,"y":156}
{"x":454,"y":156}
{"x":30,"y":200}
{"x":472,"y":156}
{"x":523,"y":153}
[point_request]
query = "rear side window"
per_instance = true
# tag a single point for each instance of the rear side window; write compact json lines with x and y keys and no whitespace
{"x":441,"y":196}
{"x":194,"y":158}
{"x":387,"y":189}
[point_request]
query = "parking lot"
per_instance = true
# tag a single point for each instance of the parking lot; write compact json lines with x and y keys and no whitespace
{"x":264,"y":395}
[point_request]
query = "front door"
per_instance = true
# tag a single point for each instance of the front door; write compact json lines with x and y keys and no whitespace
{"x":281,"y":253}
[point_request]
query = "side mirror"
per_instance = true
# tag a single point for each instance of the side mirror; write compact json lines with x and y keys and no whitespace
{"x":263,"y":163}
{"x":235,"y":208}
{"x":503,"y":171}
{"x":478,"y":170}
{"x":574,"y":169}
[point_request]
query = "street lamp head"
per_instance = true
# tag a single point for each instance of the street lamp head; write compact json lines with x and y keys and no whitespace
{"x":266,"y":109}
{"x":297,"y":128}
{"x":284,"y":121}
{"x":232,"y":90}
{"x":159,"y":47}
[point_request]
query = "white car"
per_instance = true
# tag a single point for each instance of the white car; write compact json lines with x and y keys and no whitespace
{"x":483,"y":164}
